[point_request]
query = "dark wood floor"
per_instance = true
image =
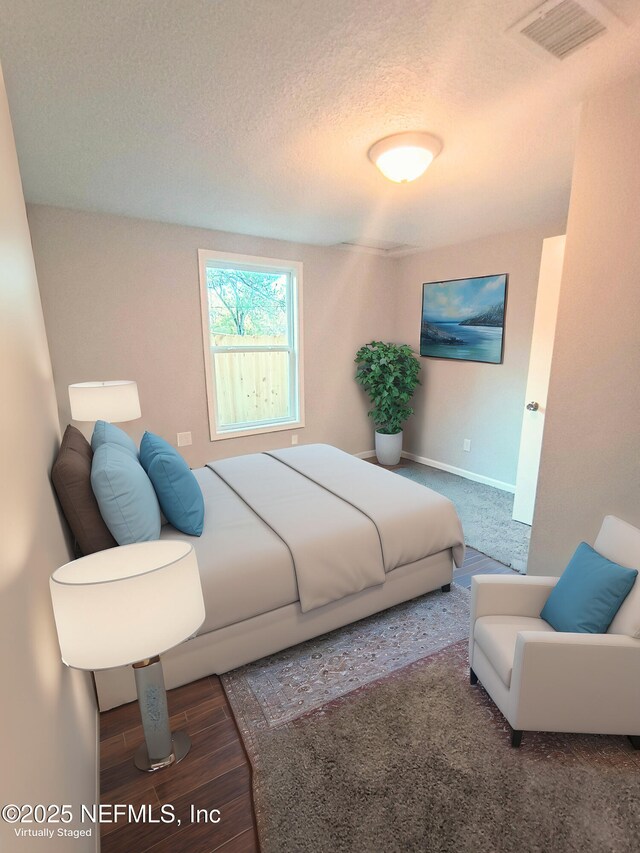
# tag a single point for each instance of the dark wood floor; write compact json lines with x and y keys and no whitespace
{"x":215,"y":775}
{"x":476,"y":563}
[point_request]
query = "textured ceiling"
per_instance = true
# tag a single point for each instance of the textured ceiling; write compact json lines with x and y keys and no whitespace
{"x":255,"y":116}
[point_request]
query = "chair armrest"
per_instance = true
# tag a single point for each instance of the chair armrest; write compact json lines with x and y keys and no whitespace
{"x":509,"y":595}
{"x":576,"y":682}
{"x":534,"y":647}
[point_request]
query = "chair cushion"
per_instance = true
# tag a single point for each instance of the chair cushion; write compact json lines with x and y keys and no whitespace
{"x":497,"y":636}
{"x":177,"y":489}
{"x":71,"y":477}
{"x":588,"y":593}
{"x":127,"y":501}
{"x":104,"y":432}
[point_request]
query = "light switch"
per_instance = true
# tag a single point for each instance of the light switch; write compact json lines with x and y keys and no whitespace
{"x":184,"y":438}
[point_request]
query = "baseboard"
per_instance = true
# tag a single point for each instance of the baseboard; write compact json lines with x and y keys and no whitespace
{"x":365,"y":454}
{"x":461,"y":472}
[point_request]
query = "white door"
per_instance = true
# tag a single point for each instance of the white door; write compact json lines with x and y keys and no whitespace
{"x":544,"y":328}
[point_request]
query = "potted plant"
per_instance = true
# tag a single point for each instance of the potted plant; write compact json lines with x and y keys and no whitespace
{"x":389,"y":375}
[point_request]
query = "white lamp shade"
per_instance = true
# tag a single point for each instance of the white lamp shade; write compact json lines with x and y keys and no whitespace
{"x":126,"y":604}
{"x":114,"y":401}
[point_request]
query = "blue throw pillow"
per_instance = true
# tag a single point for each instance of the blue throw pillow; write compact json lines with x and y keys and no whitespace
{"x":106,"y":433}
{"x":127,"y":501}
{"x":588,"y":594}
{"x":177,"y":489}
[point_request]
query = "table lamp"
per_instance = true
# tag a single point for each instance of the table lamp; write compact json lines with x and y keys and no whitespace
{"x":115,"y":401}
{"x":126,"y":606}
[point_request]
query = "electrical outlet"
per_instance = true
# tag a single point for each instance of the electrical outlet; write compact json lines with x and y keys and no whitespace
{"x":466,"y":444}
{"x":294,"y":438}
{"x":184,"y":438}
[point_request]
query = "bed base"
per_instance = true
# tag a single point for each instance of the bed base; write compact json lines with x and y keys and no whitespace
{"x":243,"y":642}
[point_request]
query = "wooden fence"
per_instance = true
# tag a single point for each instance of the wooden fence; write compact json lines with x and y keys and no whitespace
{"x":250,"y":386}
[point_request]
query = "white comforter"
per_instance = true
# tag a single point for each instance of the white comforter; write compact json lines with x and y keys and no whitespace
{"x":344,"y":522}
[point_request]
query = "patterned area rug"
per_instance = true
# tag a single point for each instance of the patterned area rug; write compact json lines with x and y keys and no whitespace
{"x":279,"y":688}
{"x":421,"y":761}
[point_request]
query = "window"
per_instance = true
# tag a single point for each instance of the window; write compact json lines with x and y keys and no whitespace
{"x":251,"y":336}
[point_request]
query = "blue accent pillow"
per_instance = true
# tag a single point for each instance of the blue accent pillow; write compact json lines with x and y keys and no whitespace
{"x":588,"y":594}
{"x":177,"y":489}
{"x":127,"y":501}
{"x":106,"y":433}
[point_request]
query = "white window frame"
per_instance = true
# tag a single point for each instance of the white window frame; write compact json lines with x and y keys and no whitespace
{"x":294,"y":308}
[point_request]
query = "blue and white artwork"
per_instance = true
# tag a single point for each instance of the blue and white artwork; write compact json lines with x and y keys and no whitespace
{"x":464,"y":318}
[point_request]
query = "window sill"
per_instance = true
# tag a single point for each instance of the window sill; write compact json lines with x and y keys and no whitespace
{"x":261,"y":430}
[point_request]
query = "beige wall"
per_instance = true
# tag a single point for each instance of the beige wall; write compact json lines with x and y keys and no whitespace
{"x":482,"y":402}
{"x":121,"y":300}
{"x":589,"y":465}
{"x":48,"y":721}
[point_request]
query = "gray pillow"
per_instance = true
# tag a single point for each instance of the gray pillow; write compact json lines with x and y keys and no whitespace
{"x":71,"y":476}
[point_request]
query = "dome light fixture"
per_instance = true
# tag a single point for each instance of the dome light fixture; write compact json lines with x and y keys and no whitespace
{"x":403,"y":157}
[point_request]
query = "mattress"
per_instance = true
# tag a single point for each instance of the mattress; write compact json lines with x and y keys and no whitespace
{"x":309,"y":524}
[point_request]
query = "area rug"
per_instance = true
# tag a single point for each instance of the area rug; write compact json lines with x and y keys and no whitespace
{"x":421,"y":761}
{"x":485,"y":513}
{"x":279,"y":688}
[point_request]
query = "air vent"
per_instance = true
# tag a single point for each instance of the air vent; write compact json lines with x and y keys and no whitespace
{"x":377,"y":247}
{"x":560,"y":27}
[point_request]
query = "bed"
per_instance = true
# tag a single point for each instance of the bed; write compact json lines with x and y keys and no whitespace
{"x":298,"y":542}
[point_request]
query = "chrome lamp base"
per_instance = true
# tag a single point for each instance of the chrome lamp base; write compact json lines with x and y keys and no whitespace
{"x":181,"y":744}
{"x":161,"y":748}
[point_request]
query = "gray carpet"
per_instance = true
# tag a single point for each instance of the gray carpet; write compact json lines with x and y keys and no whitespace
{"x":485,"y":513}
{"x":422,"y":762}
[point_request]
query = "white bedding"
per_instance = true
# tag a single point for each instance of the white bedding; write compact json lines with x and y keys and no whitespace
{"x":245,"y":568}
{"x":412,"y":520}
{"x":309,"y":524}
{"x":335,"y":548}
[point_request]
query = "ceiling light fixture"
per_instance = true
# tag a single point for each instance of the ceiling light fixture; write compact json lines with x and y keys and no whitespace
{"x":404,"y":157}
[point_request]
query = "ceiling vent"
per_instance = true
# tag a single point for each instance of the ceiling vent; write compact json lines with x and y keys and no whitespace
{"x":560,"y":27}
{"x":377,"y":247}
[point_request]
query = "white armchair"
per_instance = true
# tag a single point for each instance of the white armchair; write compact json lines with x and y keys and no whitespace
{"x":543,"y":680}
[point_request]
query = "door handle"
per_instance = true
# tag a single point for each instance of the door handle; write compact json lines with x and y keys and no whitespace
{"x":533,"y":407}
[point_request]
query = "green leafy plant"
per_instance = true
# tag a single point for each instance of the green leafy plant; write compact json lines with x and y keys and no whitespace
{"x":389,"y":375}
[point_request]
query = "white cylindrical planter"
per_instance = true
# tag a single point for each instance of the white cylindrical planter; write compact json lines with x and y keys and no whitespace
{"x":388,"y":448}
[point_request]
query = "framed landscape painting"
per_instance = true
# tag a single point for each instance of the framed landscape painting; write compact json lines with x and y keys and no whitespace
{"x":464,"y":318}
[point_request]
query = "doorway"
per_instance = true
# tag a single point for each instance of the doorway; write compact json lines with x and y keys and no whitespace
{"x":544,"y":328}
